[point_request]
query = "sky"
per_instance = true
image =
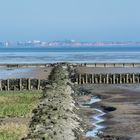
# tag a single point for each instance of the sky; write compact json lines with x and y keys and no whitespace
{"x":81,"y":20}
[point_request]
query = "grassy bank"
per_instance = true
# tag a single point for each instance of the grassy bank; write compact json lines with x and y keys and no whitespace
{"x":18,"y":104}
{"x":15,"y":112}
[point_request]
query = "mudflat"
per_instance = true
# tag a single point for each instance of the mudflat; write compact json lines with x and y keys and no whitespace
{"x":98,"y":70}
{"x":37,"y":73}
{"x":124,"y":121}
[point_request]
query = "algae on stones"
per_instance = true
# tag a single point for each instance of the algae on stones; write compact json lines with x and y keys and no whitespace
{"x":54,"y":118}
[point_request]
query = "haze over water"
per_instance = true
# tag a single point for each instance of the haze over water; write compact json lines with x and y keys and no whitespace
{"x":114,"y":54}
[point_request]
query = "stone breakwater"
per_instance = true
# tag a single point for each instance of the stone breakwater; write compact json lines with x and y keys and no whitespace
{"x":55,"y":118}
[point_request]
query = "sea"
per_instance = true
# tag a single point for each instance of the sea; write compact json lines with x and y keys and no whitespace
{"x":99,"y":54}
{"x":39,"y":55}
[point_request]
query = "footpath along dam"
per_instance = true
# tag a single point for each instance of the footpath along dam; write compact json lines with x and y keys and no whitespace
{"x":109,"y":73}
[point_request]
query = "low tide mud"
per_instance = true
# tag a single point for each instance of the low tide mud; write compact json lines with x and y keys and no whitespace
{"x":121,"y":103}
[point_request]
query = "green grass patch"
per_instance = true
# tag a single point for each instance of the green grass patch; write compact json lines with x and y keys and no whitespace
{"x":18,"y":103}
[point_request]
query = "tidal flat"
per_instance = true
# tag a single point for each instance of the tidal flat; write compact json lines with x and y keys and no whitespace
{"x":122,"y":106}
{"x":116,"y":108}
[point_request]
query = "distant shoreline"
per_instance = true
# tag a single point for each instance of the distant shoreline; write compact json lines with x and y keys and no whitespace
{"x":67,"y":46}
{"x":68,"y":43}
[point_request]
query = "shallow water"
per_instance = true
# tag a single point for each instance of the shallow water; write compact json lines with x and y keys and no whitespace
{"x":97,"y":118}
{"x":6,"y":73}
{"x":104,"y":54}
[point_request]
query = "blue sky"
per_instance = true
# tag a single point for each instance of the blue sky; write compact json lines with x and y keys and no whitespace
{"x":83,"y":20}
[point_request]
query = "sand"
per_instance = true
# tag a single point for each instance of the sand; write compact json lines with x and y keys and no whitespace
{"x":92,"y":70}
{"x":38,"y":72}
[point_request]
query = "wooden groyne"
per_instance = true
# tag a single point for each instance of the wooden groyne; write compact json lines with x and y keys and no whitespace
{"x":117,"y":78}
{"x":22,"y":84}
{"x":86,"y":77}
{"x":108,"y":65}
{"x":94,"y":65}
{"x":40,"y":84}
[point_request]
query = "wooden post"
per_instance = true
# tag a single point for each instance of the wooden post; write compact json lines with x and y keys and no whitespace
{"x":83,"y":79}
{"x":117,"y":79}
{"x":92,"y":79}
{"x":138,"y":78}
{"x":111,"y":79}
{"x":76,"y":78}
{"x":130,"y":77}
{"x":104,"y":80}
{"x":120,"y":81}
{"x":0,"y":86}
{"x":133,"y":78}
{"x":20,"y":84}
{"x":114,"y":76}
{"x":96,"y":79}
{"x":89,"y":78}
{"x":107,"y":79}
{"x":8,"y":85}
{"x":86,"y":78}
{"x":79,"y":79}
{"x":127,"y":76}
{"x":29,"y":84}
{"x":38,"y":84}
{"x":100,"y":78}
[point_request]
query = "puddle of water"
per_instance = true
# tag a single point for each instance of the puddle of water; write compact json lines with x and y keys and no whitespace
{"x":93,"y":100}
{"x":8,"y":73}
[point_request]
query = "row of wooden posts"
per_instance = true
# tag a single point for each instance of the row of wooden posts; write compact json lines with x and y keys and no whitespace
{"x":22,"y":84}
{"x":39,"y":84}
{"x":125,"y":78}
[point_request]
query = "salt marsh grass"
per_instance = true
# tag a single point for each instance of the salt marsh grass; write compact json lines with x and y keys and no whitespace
{"x":12,"y":131}
{"x":18,"y":104}
{"x":15,"y":113}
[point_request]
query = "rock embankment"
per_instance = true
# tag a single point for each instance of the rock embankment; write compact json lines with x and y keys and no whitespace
{"x":55,"y":117}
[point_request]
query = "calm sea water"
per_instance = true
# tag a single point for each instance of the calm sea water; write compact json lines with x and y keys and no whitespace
{"x":71,"y":54}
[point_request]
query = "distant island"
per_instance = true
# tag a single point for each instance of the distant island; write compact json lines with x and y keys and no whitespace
{"x":67,"y":43}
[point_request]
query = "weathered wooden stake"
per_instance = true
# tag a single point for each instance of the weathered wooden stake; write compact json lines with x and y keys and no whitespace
{"x":38,"y":84}
{"x":29,"y":84}
{"x":8,"y":85}
{"x":20,"y":84}
{"x":79,"y":79}
{"x":133,"y":78}
{"x":114,"y":76}
{"x":107,"y":79}
{"x":0,"y":86}
{"x":86,"y":78}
